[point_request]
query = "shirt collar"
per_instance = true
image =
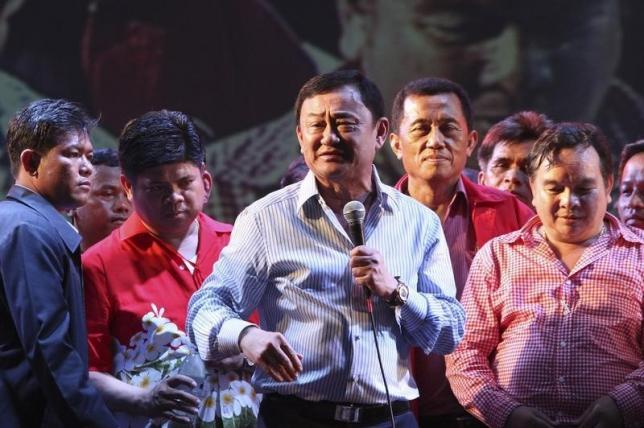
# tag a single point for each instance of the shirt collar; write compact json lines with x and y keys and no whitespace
{"x":460,"y":190}
{"x":403,"y":186}
{"x":134,"y":226}
{"x":530,"y":231}
{"x":309,"y":189}
{"x":34,"y":200}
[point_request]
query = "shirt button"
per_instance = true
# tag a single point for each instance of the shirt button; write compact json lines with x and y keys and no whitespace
{"x":352,"y":379}
{"x":567,"y":282}
{"x":182,"y":267}
{"x":357,"y":337}
{"x":561,"y":379}
{"x":562,"y":343}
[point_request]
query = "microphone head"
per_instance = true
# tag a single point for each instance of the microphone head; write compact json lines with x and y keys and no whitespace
{"x":353,"y":212}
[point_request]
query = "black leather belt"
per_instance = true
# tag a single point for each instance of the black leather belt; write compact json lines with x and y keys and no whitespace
{"x":341,"y":412}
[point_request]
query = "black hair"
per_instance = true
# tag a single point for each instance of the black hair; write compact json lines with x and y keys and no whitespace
{"x":628,"y":152}
{"x":106,"y":156}
{"x":517,"y":128}
{"x":159,"y":138}
{"x":430,"y":86}
{"x":328,"y":82}
{"x":570,"y":135}
{"x":40,"y":126}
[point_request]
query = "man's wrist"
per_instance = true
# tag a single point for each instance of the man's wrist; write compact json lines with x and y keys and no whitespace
{"x":400,"y":294}
{"x":243,"y":334}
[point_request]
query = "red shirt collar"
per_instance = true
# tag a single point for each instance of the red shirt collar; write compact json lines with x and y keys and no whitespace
{"x":134,"y":226}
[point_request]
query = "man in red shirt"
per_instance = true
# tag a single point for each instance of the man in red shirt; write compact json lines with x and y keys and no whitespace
{"x":433,"y":136}
{"x":157,"y":258}
{"x":503,"y":153}
{"x":554,"y":333}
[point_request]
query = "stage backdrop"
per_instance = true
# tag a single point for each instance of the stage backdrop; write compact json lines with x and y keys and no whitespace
{"x":235,"y":66}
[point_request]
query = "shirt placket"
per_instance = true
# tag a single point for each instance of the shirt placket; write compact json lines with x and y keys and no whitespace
{"x":357,"y":342}
{"x":563,"y":359}
{"x":362,"y":336}
{"x":356,"y":304}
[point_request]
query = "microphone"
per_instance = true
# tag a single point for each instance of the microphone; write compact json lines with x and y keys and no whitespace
{"x":354,"y":213}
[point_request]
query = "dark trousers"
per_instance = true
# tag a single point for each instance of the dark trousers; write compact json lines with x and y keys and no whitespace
{"x":277,"y":413}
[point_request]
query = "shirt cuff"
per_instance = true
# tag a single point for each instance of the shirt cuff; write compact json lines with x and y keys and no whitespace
{"x":228,"y":338}
{"x":413,"y":312}
{"x":630,"y":404}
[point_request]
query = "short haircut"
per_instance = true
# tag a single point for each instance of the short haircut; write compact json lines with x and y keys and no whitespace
{"x":570,"y":135}
{"x":518,"y":128}
{"x":329,"y":82}
{"x":40,"y":126}
{"x":159,"y":138}
{"x":430,"y":86}
{"x":628,"y":152}
{"x":105,"y":156}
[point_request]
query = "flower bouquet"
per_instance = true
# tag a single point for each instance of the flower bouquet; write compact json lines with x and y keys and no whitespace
{"x":159,"y":350}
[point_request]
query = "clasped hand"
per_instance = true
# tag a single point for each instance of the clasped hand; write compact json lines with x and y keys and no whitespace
{"x":167,"y":399}
{"x":603,"y":413}
{"x":369,"y":270}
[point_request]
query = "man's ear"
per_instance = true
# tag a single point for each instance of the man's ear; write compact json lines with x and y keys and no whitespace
{"x":127,"y":186}
{"x":356,"y":17}
{"x":395,"y":144}
{"x":382,"y":129}
{"x":609,"y":188}
{"x":207,"y":183}
{"x":472,"y":139}
{"x":298,"y":132}
{"x":481,"y":177}
{"x":533,"y":190}
{"x":30,"y":161}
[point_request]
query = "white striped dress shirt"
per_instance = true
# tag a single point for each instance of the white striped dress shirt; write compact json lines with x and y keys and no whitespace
{"x":289,"y":257}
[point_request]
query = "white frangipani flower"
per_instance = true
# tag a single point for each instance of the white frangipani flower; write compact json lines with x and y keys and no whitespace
{"x":242,"y":390}
{"x":208,"y":407}
{"x":229,"y":406}
{"x":146,"y":379}
{"x":163,"y":334}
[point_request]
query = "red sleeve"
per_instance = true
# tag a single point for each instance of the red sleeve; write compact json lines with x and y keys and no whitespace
{"x":524,"y":212}
{"x":98,"y":308}
{"x":254,"y":317}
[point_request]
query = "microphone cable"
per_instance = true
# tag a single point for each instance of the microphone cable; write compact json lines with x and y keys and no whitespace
{"x":354,"y":213}
{"x":382,"y":370}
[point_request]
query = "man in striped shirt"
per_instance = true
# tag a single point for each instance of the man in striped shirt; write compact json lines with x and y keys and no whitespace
{"x":291,"y":256}
{"x":554,"y":335}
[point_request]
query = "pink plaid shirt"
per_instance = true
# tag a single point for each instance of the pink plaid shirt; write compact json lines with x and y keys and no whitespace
{"x":557,"y":340}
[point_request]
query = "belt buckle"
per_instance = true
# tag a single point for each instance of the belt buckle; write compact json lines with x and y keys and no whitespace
{"x":347,"y":413}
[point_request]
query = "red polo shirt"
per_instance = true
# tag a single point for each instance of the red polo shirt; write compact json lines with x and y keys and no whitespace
{"x":131,"y":269}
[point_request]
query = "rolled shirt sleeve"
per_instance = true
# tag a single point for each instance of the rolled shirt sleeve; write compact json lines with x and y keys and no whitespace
{"x":229,"y":295}
{"x":432,"y":318}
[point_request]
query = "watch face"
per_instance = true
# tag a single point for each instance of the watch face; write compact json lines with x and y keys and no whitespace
{"x":403,"y":292}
